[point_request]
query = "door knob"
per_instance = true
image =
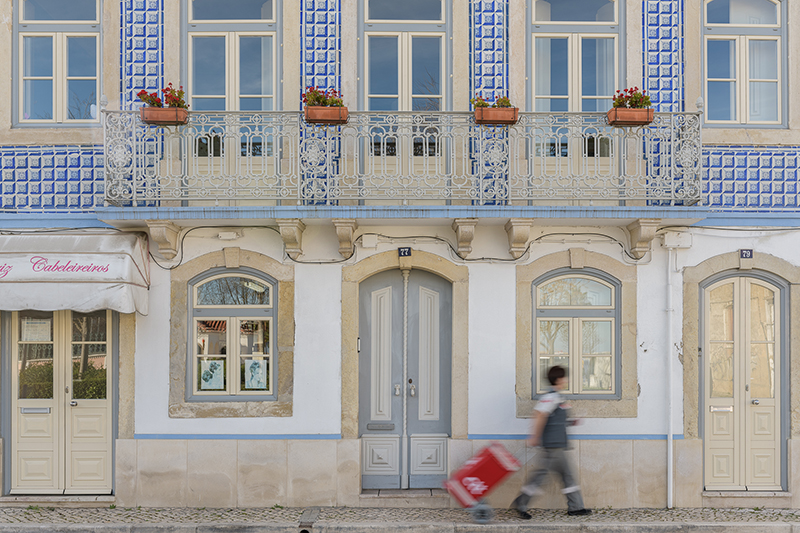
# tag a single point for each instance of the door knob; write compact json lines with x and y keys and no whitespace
{"x":755,"y":402}
{"x":413,"y":390}
{"x":73,"y":403}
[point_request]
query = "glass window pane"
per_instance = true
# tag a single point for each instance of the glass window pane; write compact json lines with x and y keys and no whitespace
{"x":762,"y":314}
{"x":721,"y":59}
{"x":552,"y":67}
{"x":722,"y":100}
{"x":38,"y":96}
{"x":35,"y":326}
{"x":208,"y":104}
{"x":721,"y":366}
{"x":597,"y":69}
{"x":89,"y":371}
{"x":254,"y":337}
{"x":596,"y":374}
{"x":596,"y":337}
{"x":405,"y":10}
{"x":721,"y":320}
{"x":544,"y":365}
{"x":763,"y":60}
{"x":89,"y":326}
{"x":383,"y":65}
{"x":762,"y":370}
{"x":742,"y":12}
{"x":764,"y":102}
{"x":208,"y":65}
{"x":552,"y":104}
{"x":212,"y":374}
{"x":212,"y":337}
{"x":574,"y":10}
{"x":81,"y":99}
{"x":60,"y":10}
{"x":37,"y":56}
{"x":232,"y":10}
{"x":554,"y":337}
{"x":596,"y":104}
{"x":426,"y":65}
{"x":233,"y":290}
{"x":254,"y":374}
{"x":574,"y":292}
{"x":255,"y":65}
{"x":426,"y":104}
{"x":255,"y":104}
{"x":383,"y":104}
{"x":81,"y":56}
{"x":35,"y":371}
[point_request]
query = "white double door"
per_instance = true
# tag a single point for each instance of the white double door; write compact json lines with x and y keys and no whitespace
{"x":742,"y":367}
{"x":61,"y":412}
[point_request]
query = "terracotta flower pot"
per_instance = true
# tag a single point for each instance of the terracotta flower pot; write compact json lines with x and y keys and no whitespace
{"x":325,"y":115}
{"x":496,"y":115}
{"x":624,"y":116}
{"x":164,"y":116}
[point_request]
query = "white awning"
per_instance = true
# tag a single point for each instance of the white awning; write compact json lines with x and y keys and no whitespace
{"x":78,"y":271}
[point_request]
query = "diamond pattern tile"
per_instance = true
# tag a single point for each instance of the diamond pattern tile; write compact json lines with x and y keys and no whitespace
{"x":489,"y":53}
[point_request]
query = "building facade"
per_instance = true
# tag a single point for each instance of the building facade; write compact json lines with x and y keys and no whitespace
{"x":250,"y":309}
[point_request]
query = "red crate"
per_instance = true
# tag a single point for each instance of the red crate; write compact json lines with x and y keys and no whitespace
{"x":481,"y":474}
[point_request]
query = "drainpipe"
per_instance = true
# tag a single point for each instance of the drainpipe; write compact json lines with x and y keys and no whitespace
{"x":670,"y":357}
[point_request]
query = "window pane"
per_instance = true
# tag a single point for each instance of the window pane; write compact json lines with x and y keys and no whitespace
{"x":596,"y":104}
{"x":38,"y":97}
{"x":35,"y":371}
{"x":763,"y":60}
{"x":554,"y":337}
{"x":37,"y":56}
{"x":383,"y":104}
{"x":426,"y":104}
{"x":89,"y":371}
{"x":405,"y":10}
{"x":574,"y":10}
{"x":383,"y":65}
{"x":721,"y":321}
{"x":596,"y":337}
{"x":762,"y":314}
{"x":233,"y":290}
{"x":574,"y":292}
{"x":597,"y":70}
{"x":721,"y":59}
{"x":81,"y":99}
{"x":81,"y":56}
{"x":254,"y":337}
{"x":208,"y":104}
{"x":232,"y":10}
{"x":762,"y":370}
{"x":89,"y":326}
{"x":596,"y":374}
{"x":764,"y":102}
{"x":255,"y":65}
{"x":552,"y":67}
{"x":255,"y":104}
{"x":212,"y":337}
{"x":60,"y":10}
{"x":721,"y":100}
{"x":552,"y":104}
{"x":544,"y":365}
{"x":426,"y":65}
{"x":254,"y":374}
{"x":742,"y":12}
{"x":211,"y":374}
{"x":208,"y":65}
{"x":721,"y":364}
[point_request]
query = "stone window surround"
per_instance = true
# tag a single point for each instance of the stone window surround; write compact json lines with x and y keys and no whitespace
{"x":352,"y":276}
{"x":627,"y":405}
{"x":284,"y":342}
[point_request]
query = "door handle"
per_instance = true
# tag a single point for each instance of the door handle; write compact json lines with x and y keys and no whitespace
{"x":73,"y":403}
{"x":755,"y":402}
{"x":413,"y":390}
{"x":397,"y":390}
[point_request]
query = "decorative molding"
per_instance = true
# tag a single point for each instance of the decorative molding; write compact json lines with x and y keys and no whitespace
{"x":292,"y":235}
{"x":165,"y":234}
{"x":519,"y":231}
{"x":345,"y":228}
{"x":577,"y":257}
{"x":642,"y":231}
{"x":231,"y":256}
{"x":465,"y":232}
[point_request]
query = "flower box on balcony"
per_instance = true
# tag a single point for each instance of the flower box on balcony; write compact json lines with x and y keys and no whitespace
{"x":625,"y":116}
{"x":326,"y":115}
{"x":164,"y":116}
{"x":496,"y":115}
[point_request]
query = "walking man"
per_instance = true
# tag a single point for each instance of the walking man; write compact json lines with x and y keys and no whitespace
{"x":550,"y":431}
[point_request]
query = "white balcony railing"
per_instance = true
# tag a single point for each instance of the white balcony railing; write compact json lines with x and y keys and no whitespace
{"x":275,"y":158}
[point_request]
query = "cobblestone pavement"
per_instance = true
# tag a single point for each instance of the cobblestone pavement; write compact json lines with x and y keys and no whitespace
{"x":346,"y":515}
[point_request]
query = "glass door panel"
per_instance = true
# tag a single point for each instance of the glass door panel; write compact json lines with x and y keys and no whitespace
{"x":598,"y":68}
{"x":552,"y":74}
{"x":35,"y":363}
{"x":383,"y":89}
{"x":208,"y":72}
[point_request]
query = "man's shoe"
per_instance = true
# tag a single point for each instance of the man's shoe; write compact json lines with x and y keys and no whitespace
{"x":580,"y":512}
{"x":525,"y":515}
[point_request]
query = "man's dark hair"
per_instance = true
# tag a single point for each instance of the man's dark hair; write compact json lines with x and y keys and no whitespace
{"x":555,"y":373}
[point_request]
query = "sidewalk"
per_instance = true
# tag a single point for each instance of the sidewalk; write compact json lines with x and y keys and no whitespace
{"x":369,"y":520}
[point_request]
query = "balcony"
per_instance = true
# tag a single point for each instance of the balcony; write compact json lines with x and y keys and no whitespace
{"x":398,"y":159}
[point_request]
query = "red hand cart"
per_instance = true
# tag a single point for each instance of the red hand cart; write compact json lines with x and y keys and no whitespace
{"x":470,"y":483}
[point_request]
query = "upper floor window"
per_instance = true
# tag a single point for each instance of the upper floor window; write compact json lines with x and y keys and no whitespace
{"x":744,"y":57}
{"x":232,"y":55}
{"x":233,"y":324}
{"x":577,"y":327}
{"x":576,"y":54}
{"x":405,"y":49}
{"x":57,"y":61}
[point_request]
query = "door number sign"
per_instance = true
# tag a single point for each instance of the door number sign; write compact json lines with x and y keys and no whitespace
{"x":746,"y":254}
{"x":404,"y":251}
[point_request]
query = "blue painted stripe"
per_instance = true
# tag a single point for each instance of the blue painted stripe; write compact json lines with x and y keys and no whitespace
{"x":655,"y":436}
{"x":196,"y":436}
{"x":50,"y":221}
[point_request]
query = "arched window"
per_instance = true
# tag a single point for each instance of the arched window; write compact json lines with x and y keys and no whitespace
{"x":232,"y":345}
{"x":577,"y":327}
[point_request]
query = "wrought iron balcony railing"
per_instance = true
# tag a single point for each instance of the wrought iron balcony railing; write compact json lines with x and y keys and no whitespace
{"x":276,"y":158}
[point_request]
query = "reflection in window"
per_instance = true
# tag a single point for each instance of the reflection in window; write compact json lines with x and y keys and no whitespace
{"x":405,"y":10}
{"x":57,"y":10}
{"x":574,"y":10}
{"x":742,"y":12}
{"x":575,"y":292}
{"x":232,"y":10}
{"x":233,"y":291}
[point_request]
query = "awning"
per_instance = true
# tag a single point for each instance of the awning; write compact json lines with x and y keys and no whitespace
{"x":78,"y":271}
